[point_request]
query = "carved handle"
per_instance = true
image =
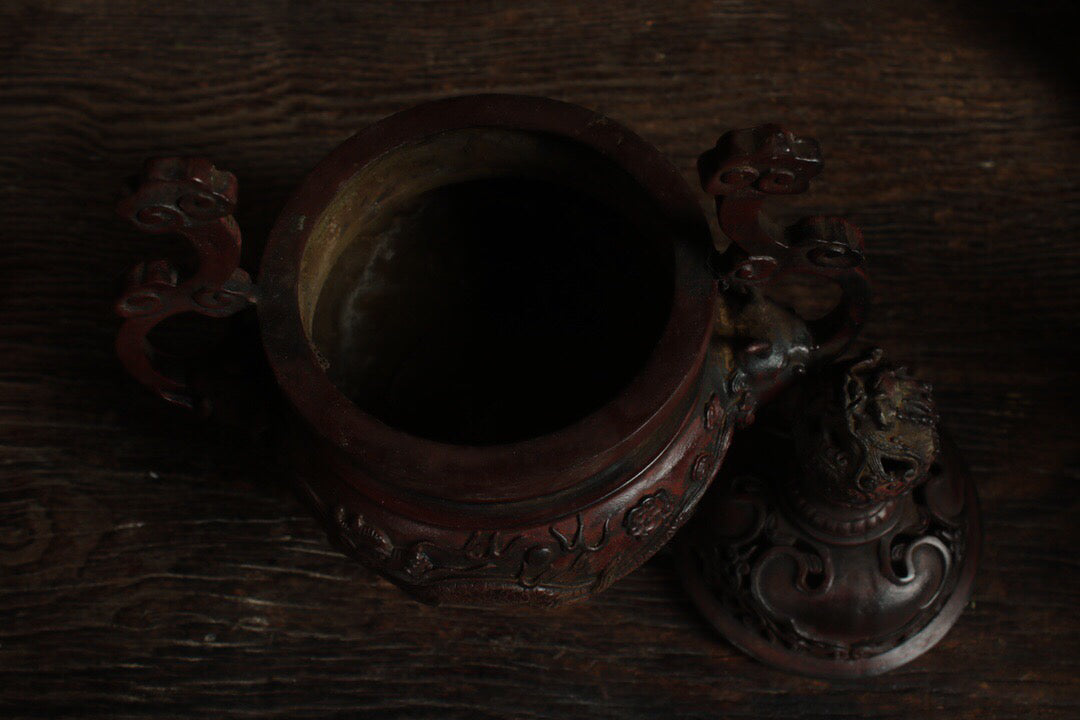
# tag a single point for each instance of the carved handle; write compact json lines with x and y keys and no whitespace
{"x":743,"y":169}
{"x":188,"y":196}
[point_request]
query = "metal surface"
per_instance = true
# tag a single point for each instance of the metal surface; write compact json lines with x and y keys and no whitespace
{"x":744,"y":168}
{"x":188,"y":196}
{"x":544,"y":520}
{"x":847,"y":545}
{"x":554,"y":517}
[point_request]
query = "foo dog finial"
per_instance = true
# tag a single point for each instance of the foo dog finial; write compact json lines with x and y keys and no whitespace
{"x":867,"y":434}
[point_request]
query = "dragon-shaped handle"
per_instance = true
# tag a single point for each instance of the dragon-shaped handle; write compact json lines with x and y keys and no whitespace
{"x":744,"y":168}
{"x":192,"y":198}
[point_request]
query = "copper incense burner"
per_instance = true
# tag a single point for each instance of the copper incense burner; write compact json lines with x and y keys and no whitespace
{"x":512,"y":358}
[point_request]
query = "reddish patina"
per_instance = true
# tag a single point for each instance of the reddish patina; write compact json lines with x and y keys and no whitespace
{"x":841,"y":540}
{"x":741,"y":171}
{"x":564,"y":514}
{"x":190,"y":197}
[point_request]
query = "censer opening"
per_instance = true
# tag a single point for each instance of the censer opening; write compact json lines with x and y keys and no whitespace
{"x":497,"y":308}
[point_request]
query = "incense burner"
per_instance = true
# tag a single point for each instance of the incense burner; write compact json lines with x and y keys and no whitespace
{"x":511,"y":356}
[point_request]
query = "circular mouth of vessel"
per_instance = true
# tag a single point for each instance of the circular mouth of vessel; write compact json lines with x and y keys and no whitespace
{"x":485,"y":285}
{"x":373,"y":273}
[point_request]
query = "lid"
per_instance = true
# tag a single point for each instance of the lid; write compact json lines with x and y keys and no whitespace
{"x":841,"y":537}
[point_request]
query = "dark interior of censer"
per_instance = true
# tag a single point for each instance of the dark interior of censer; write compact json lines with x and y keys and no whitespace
{"x":502,"y":302}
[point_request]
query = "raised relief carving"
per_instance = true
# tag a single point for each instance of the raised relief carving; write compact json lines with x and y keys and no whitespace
{"x":714,"y":412}
{"x":362,"y":536}
{"x":417,"y":560}
{"x":872,"y":439}
{"x":837,"y":552}
{"x":553,"y":556}
{"x":648,"y":515}
{"x":744,"y":168}
{"x":191,"y":197}
{"x":553,"y":561}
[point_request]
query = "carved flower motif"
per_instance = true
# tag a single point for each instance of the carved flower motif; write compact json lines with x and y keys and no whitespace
{"x":648,"y":515}
{"x":417,"y":561}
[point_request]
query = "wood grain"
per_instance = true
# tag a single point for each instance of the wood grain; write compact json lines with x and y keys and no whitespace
{"x":152,"y":567}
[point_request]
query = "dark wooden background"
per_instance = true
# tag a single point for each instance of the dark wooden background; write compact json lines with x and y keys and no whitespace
{"x":150,"y":566}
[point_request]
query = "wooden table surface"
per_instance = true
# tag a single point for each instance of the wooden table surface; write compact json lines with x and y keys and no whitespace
{"x":151,"y":566}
